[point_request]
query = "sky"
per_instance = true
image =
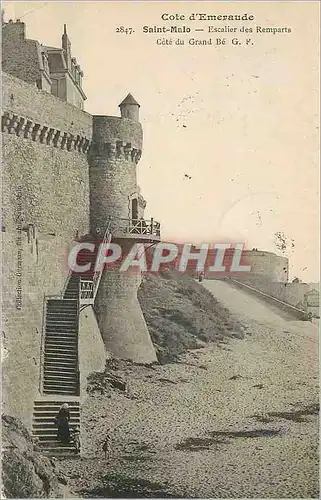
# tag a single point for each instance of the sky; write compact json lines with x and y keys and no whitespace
{"x":231,"y":133}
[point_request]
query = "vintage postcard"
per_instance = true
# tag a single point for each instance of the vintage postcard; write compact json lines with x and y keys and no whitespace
{"x":160,"y":244}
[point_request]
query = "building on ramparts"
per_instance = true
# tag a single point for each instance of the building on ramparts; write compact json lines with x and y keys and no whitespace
{"x":48,"y":68}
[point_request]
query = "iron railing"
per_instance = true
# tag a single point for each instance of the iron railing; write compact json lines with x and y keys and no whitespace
{"x":136,"y":226}
{"x":116,"y":226}
{"x":86,"y":291}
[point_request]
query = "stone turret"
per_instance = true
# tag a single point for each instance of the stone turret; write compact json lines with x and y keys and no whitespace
{"x":129,"y":108}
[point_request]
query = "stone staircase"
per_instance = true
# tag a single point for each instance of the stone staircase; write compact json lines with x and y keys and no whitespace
{"x":60,"y":374}
{"x":72,"y":288}
{"x":45,"y":430}
{"x":60,"y":365}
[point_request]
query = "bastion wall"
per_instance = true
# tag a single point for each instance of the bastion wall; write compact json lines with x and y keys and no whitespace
{"x":60,"y":183}
{"x":45,"y":202}
{"x":275,"y":267}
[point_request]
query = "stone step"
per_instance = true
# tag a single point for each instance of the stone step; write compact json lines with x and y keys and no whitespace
{"x":50,"y":426}
{"x":57,"y":346}
{"x":69,"y":367}
{"x":57,"y":331}
{"x":65,"y":386}
{"x":46,"y":410}
{"x":63,"y":369}
{"x":48,"y":420}
{"x":61,"y":327}
{"x":66,"y":308}
{"x":61,"y":324}
{"x":59,"y":452}
{"x":43,"y":428}
{"x":49,"y":417}
{"x":61,"y":360}
{"x":61,"y":332}
{"x":60,"y":302}
{"x":61,"y":319}
{"x":62,"y":351}
{"x":55,"y":375}
{"x":48,"y":414}
{"x":48,"y":434}
{"x":61,"y":345}
{"x":62,"y":336}
{"x":58,"y":389}
{"x":60,"y":368}
{"x":72,"y":403}
{"x":55,"y":444}
{"x":67,"y":392}
{"x":60,"y":384}
{"x":51,"y":440}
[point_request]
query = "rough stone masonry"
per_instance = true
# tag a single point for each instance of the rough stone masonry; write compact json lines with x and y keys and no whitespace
{"x":66,"y":172}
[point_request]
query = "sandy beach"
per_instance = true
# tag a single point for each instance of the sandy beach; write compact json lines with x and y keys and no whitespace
{"x":238,"y":419}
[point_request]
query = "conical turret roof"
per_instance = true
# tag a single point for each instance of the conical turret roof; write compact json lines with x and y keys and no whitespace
{"x":129,"y":99}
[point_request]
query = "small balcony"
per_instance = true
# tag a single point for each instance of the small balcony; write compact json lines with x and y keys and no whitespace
{"x":139,"y":229}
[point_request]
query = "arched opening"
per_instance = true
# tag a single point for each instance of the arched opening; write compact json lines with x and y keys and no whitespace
{"x":134,"y":208}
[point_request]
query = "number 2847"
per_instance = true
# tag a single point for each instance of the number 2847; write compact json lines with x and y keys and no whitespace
{"x":124,"y":30}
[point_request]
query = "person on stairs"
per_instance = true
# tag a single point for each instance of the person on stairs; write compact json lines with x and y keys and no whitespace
{"x":62,"y":421}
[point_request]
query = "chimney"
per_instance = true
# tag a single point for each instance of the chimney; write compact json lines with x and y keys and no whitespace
{"x":66,"y":45}
{"x":15,"y":30}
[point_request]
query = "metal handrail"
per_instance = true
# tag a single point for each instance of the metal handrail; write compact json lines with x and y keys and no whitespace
{"x":78,"y":365}
{"x":66,"y":283}
{"x":42,"y":343}
{"x":98,"y":274}
{"x":88,"y":287}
